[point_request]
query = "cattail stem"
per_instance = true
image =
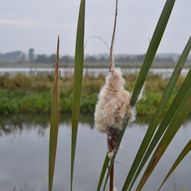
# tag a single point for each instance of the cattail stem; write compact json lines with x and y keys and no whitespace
{"x":112,"y":139}
{"x":110,"y":142}
{"x":111,"y":183}
{"x":111,"y":64}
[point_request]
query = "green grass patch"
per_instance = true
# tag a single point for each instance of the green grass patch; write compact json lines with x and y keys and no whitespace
{"x":32,"y":94}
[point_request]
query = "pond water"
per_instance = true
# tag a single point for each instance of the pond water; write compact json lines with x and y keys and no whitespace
{"x":165,"y":72}
{"x":24,"y":155}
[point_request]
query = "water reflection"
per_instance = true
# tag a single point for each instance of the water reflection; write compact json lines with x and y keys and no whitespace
{"x":15,"y":123}
{"x":24,"y":155}
{"x":10,"y":124}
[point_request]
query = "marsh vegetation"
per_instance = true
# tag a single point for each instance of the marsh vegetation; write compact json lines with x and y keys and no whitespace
{"x":32,"y":93}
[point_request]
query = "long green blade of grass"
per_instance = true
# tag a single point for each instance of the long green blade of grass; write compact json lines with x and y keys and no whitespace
{"x":54,"y":122}
{"x":104,"y":168}
{"x":154,"y":44}
{"x":78,"y":76}
{"x":152,"y":49}
{"x":178,"y":117}
{"x":182,"y":155}
{"x":164,"y":124}
{"x":156,"y":118}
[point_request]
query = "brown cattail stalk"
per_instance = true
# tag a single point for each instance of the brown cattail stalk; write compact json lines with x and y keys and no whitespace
{"x":111,"y":64}
{"x":111,"y":183}
{"x":111,"y":67}
{"x":113,"y":106}
{"x":112,"y":140}
{"x":111,"y":149}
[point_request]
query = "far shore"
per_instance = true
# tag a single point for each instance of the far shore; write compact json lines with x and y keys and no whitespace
{"x":33,"y":93}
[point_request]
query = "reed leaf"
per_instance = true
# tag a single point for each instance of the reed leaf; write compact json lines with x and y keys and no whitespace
{"x":54,"y":122}
{"x":154,"y":44}
{"x":181,"y":156}
{"x":104,"y":168}
{"x":155,"y":120}
{"x":181,"y":108}
{"x":78,"y":76}
{"x":165,"y":122}
{"x":148,"y":60}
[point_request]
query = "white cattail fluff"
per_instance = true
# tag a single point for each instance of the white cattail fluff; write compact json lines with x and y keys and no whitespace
{"x":113,"y":103}
{"x":110,"y":154}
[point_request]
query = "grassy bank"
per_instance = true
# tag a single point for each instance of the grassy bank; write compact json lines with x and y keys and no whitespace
{"x":32,"y":94}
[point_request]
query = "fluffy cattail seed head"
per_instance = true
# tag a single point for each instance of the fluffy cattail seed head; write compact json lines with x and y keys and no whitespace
{"x":113,"y":104}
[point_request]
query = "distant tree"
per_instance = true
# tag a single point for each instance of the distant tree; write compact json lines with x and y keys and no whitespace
{"x":91,"y":58}
{"x":22,"y":58}
{"x":31,"y":55}
{"x":103,"y":58}
{"x":159,"y":59}
{"x":121,"y":58}
{"x":42,"y":58}
{"x":52,"y":58}
{"x":67,"y":59}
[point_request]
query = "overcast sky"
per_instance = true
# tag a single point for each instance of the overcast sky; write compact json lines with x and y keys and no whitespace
{"x":36,"y":23}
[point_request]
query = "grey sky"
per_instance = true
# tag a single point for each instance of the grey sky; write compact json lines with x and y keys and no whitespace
{"x":36,"y":23}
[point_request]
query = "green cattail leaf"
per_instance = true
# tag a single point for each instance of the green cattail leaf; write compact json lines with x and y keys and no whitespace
{"x":176,"y":115}
{"x":154,"y":44}
{"x":181,"y":156}
{"x":164,"y":124}
{"x":149,"y":57}
{"x":156,"y":118}
{"x":104,"y":168}
{"x":54,"y":122}
{"x":78,"y":76}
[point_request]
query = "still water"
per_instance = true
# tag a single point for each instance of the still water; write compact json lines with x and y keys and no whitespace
{"x":24,"y":155}
{"x":165,"y":72}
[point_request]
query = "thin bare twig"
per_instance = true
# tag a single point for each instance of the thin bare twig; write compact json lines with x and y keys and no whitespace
{"x":111,"y":64}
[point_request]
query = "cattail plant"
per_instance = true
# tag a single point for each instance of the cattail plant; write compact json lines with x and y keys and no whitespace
{"x":112,"y":109}
{"x":113,"y":105}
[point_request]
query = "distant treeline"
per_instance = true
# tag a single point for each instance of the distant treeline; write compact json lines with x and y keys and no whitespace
{"x":90,"y":60}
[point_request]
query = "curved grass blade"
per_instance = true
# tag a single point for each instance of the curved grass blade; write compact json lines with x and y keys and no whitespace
{"x":180,"y":114}
{"x":156,"y":118}
{"x":152,"y":49}
{"x":183,"y":153}
{"x":54,"y":122}
{"x":78,"y":75}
